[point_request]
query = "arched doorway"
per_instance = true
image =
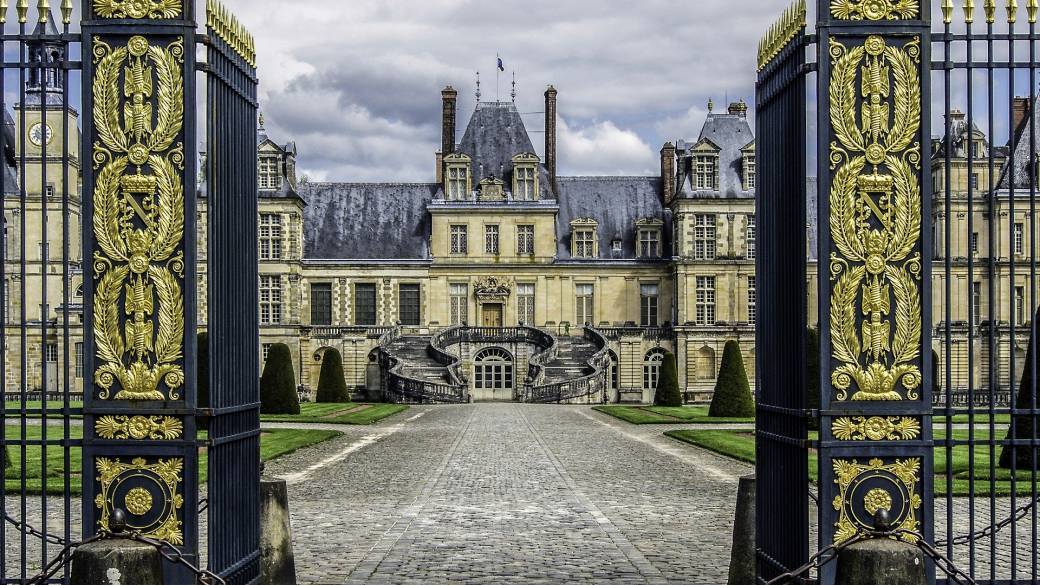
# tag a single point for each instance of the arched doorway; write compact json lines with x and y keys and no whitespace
{"x":652,"y":368}
{"x":493,"y":374}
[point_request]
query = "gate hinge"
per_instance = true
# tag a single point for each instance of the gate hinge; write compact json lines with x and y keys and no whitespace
{"x":807,"y":68}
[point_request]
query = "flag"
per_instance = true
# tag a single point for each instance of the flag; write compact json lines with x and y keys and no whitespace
{"x":501,"y":66}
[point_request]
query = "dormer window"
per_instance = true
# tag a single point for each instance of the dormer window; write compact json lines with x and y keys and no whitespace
{"x":458,"y":181}
{"x":749,"y":173}
{"x":268,"y":175}
{"x":525,"y":177}
{"x":648,"y":231}
{"x":706,"y":172}
{"x":583,"y":238}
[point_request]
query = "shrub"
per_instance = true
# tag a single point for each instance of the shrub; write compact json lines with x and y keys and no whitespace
{"x":5,"y":460}
{"x":331,"y":385}
{"x":812,"y":375}
{"x":668,"y":393}
{"x":1023,"y":427}
{"x":278,"y":383}
{"x":732,"y":396}
{"x":202,"y":376}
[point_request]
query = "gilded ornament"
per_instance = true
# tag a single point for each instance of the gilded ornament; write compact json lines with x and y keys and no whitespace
{"x":225,"y":26}
{"x":138,"y":428}
{"x":875,"y":9}
{"x":876,"y":428}
{"x":872,"y":487}
{"x":781,"y":33}
{"x":875,"y":200}
{"x":138,"y":501}
{"x":139,"y":219}
{"x":138,"y":8}
{"x":164,"y":475}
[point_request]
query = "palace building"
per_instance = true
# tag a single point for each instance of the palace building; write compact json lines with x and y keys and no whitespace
{"x":499,"y":239}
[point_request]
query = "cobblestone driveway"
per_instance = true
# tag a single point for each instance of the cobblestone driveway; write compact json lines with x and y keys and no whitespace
{"x":507,"y":493}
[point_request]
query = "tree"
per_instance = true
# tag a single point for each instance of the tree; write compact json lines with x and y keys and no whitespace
{"x":331,"y":385}
{"x":732,"y":396}
{"x":668,"y":393}
{"x":202,"y":376}
{"x":812,"y":375}
{"x":1024,"y":426}
{"x":5,"y":460}
{"x":278,"y":383}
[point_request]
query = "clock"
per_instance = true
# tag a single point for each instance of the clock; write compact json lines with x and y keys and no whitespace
{"x":40,"y":134}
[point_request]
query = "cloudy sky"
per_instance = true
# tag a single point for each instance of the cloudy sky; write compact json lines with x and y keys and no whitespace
{"x":357,"y":83}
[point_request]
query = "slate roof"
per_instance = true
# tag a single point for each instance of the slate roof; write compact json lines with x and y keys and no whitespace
{"x":10,"y":160}
{"x":730,"y":133}
{"x":616,"y":203}
{"x":1024,"y":162}
{"x":367,"y":221}
{"x":495,"y":134}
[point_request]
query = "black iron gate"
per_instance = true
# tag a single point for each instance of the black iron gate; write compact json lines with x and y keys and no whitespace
{"x":99,"y":269}
{"x":920,"y":219}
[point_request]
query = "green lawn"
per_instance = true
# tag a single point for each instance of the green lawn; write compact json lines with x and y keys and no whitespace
{"x":740,"y":445}
{"x":649,"y":415}
{"x":273,"y":444}
{"x":346,"y":413}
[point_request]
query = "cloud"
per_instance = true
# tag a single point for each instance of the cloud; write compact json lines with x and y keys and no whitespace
{"x":603,"y":149}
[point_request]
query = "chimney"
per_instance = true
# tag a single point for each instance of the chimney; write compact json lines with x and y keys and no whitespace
{"x":449,"y":97}
{"x":1020,"y":109}
{"x":668,"y":173}
{"x":550,"y":136}
{"x":738,"y":109}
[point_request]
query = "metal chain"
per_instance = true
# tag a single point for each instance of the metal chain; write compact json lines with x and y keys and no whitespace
{"x":28,"y":530}
{"x":203,"y":505}
{"x":1015,"y":516}
{"x":62,"y":559}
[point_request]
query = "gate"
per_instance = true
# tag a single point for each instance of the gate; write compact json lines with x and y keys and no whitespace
{"x":922,"y":283}
{"x":100,"y":268}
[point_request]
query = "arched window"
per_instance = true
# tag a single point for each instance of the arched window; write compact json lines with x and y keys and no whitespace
{"x":652,"y":367}
{"x":615,"y":371}
{"x":705,"y":363}
{"x":493,"y":369}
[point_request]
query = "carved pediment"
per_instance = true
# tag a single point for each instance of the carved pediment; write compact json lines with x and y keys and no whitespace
{"x":492,"y":288}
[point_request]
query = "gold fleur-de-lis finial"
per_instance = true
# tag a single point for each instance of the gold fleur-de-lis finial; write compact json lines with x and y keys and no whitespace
{"x":66,"y":11}
{"x":23,"y":10}
{"x":969,"y":11}
{"x":1012,"y":11}
{"x":947,"y":10}
{"x":3,"y":11}
{"x":990,"y":6}
{"x":43,"y":7}
{"x":1031,"y":9}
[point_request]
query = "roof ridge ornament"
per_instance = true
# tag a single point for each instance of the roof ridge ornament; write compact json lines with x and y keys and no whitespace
{"x":478,"y":87}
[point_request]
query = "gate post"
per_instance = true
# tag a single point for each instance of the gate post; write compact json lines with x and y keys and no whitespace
{"x":875,"y":447}
{"x":140,"y":452}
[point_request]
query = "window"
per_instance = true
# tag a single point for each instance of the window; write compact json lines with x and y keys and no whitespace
{"x":364,"y":303}
{"x":525,"y":303}
{"x":973,"y":242}
{"x":408,"y":304}
{"x":750,"y":238}
{"x":705,"y":300}
{"x":704,"y":237}
{"x":1020,"y":240}
{"x":584,"y":244}
{"x":615,"y":246}
{"x":79,"y":359}
{"x":52,"y":353}
{"x":45,"y":250}
{"x":458,"y":301}
{"x":583,"y":305}
{"x":648,"y":304}
{"x":652,"y":368}
{"x":524,"y":240}
{"x":321,"y":303}
{"x":459,"y":240}
{"x":270,"y":300}
{"x":974,"y":181}
{"x":45,"y":312}
{"x":524,"y":178}
{"x":976,"y":303}
{"x":649,"y":243}
{"x":268,"y":173}
{"x":706,"y":172}
{"x":752,"y":300}
{"x":1020,"y":305}
{"x":615,"y":372}
{"x":265,"y":349}
{"x":458,"y":182}
{"x":749,"y":173}
{"x":491,"y":239}
{"x":493,"y":369}
{"x":270,"y":236}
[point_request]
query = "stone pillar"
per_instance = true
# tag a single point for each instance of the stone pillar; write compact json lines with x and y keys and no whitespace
{"x":277,"y":562}
{"x":117,"y":561}
{"x":742,"y":559}
{"x":550,"y":136}
{"x":881,"y":561}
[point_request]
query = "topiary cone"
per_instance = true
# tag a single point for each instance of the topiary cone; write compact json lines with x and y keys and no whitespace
{"x":278,"y":383}
{"x":332,"y":387}
{"x":668,"y":393}
{"x":732,"y":398}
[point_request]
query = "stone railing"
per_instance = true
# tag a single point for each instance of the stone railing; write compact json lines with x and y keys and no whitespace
{"x":438,"y":350}
{"x":647,"y":333}
{"x":399,"y":386}
{"x":964,"y":399}
{"x":538,"y":360}
{"x":583,"y":388}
